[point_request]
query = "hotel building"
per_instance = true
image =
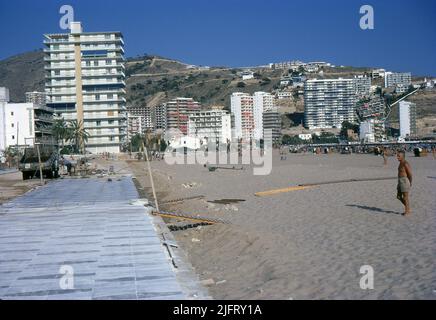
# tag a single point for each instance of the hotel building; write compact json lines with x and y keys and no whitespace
{"x":85,"y":81}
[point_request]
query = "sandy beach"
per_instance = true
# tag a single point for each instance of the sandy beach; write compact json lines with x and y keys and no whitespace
{"x":306,"y":244}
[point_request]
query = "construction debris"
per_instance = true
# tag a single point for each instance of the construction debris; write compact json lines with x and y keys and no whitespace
{"x":189,"y":217}
{"x":182,"y":199}
{"x":190,"y":185}
{"x":226,"y":201}
{"x":347,"y":180}
{"x":212,"y":169}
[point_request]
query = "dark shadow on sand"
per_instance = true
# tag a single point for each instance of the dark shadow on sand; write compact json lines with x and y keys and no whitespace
{"x":373,"y":209}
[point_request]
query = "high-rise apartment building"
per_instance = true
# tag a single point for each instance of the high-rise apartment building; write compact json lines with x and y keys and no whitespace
{"x":363,"y":85}
{"x":262,"y":102}
{"x":272,"y":122}
{"x":153,"y":118}
{"x":407,"y":116}
{"x":241,"y":105}
{"x":85,"y":81}
{"x":177,"y":112}
{"x":329,"y":102}
{"x":248,"y":111}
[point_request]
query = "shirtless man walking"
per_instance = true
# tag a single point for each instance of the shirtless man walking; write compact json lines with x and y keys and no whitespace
{"x":404,"y":181}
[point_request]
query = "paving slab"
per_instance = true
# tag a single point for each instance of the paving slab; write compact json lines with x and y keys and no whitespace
{"x":92,"y":228}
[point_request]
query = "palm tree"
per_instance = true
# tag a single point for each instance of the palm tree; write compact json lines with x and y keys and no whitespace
{"x":77,"y":135}
{"x":60,"y":131}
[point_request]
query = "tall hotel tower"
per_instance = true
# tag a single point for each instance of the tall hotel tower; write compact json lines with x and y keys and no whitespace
{"x":85,"y":81}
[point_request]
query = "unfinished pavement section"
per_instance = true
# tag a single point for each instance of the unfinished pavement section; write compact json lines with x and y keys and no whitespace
{"x":96,"y":227}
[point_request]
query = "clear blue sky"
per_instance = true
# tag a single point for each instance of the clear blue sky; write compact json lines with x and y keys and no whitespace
{"x":242,"y":32}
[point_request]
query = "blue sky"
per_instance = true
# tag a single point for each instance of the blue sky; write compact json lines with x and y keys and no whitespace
{"x":242,"y":32}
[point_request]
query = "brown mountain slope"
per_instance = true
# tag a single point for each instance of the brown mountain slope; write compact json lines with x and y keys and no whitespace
{"x":22,"y":73}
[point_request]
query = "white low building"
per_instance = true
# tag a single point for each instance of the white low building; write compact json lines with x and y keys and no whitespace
{"x":16,"y":125}
{"x":210,"y":125}
{"x":247,"y":75}
{"x":305,"y":136}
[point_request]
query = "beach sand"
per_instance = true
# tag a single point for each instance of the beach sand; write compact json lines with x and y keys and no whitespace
{"x":306,"y":244}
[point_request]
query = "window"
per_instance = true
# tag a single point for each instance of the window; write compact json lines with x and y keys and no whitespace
{"x":88,"y":63}
{"x":110,"y":96}
{"x":12,"y":113}
{"x":57,"y":72}
{"x":111,"y":138}
{"x":108,"y":62}
{"x":98,"y":123}
{"x":107,"y":36}
{"x":12,"y":125}
{"x":13,"y":137}
{"x":97,"y":97}
{"x":111,"y":121}
{"x":95,"y":63}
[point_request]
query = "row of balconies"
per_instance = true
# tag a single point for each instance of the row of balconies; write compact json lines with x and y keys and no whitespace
{"x":70,"y":48}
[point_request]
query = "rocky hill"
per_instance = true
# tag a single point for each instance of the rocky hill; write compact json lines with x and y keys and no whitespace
{"x":22,"y":73}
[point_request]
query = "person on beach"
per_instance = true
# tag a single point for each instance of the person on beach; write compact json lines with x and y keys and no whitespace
{"x":385,"y":156}
{"x":404,"y":181}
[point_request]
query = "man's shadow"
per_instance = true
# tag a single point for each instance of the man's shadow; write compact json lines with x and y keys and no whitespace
{"x":373,"y":209}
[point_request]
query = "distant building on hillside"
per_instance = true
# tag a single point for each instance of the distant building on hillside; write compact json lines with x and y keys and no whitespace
{"x":378,"y":73}
{"x":247,"y":75}
{"x":400,"y":81}
{"x":363,"y":85}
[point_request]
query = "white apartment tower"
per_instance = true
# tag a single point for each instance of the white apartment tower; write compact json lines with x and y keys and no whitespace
{"x":407,"y":115}
{"x":85,"y":81}
{"x":241,"y":105}
{"x":262,"y":102}
{"x":329,"y":102}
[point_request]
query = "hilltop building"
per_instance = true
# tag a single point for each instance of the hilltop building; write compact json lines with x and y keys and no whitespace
{"x":85,"y":81}
{"x":401,"y":81}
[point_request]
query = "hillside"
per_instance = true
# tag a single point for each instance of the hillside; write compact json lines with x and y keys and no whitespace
{"x":22,"y":73}
{"x":152,"y":79}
